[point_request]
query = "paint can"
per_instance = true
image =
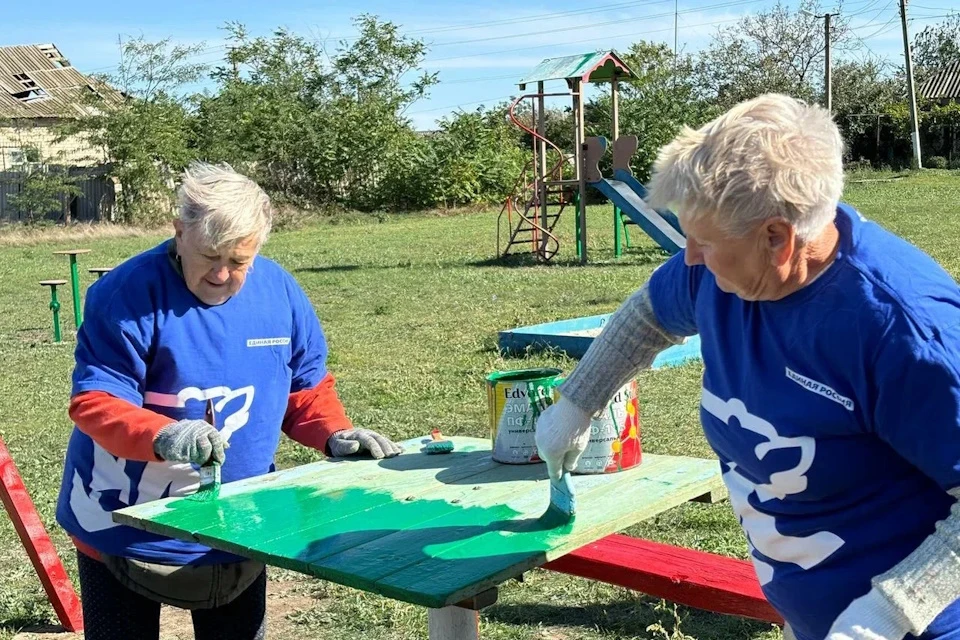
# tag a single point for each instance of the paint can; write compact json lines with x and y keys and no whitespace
{"x":614,"y":435}
{"x":515,"y":400}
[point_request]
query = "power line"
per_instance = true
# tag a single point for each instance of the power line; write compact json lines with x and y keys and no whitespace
{"x":869,"y":7}
{"x":596,"y":24}
{"x":606,"y":38}
{"x":942,"y":15}
{"x":534,"y":18}
{"x":520,"y":35}
{"x":870,"y":4}
{"x":879,"y":31}
{"x":471,"y":80}
{"x":455,"y":106}
{"x":201,"y":52}
{"x":920,"y":6}
{"x":876,"y":15}
{"x":883,"y":61}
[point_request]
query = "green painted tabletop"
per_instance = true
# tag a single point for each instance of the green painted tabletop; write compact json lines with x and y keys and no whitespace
{"x":427,"y":529}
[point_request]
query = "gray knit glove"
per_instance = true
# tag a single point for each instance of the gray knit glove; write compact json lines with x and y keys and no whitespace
{"x":190,"y":441}
{"x":351,"y":441}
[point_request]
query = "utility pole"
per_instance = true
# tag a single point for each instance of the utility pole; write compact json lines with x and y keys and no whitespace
{"x":914,"y":126}
{"x":676,"y":17}
{"x":828,"y":63}
{"x":828,"y":58}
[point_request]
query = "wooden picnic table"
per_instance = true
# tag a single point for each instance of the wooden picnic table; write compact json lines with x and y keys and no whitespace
{"x":440,"y":531}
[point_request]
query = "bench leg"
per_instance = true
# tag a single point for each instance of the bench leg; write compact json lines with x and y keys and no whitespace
{"x":453,"y":623}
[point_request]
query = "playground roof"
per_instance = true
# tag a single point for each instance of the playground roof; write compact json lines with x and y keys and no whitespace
{"x":597,"y":66}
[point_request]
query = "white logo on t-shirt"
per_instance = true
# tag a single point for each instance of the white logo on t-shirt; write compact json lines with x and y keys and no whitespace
{"x":268,"y":342}
{"x":108,"y":473}
{"x":761,"y":528}
{"x":820,"y":388}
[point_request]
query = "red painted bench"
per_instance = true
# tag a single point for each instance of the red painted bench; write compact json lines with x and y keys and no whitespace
{"x":694,"y":578}
{"x":38,"y":545}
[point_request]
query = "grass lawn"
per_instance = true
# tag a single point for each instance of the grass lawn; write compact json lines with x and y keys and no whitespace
{"x":411,"y":306}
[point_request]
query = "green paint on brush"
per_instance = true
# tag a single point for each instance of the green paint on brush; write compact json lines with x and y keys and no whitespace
{"x":563,"y":501}
{"x":438,"y":444}
{"x":209,"y":482}
{"x":210,"y":470}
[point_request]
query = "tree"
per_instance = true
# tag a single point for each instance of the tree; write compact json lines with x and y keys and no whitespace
{"x":316,"y":126}
{"x":777,"y":50}
{"x":44,"y":187}
{"x":862,"y":92}
{"x":138,"y":115}
{"x":936,"y":46}
{"x":654,"y":105}
{"x":475,"y":162}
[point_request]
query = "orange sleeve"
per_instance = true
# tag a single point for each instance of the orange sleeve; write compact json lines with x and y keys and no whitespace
{"x":313,"y":415}
{"x":121,"y":428}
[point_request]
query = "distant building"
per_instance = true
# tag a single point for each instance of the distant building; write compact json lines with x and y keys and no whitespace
{"x":38,"y":90}
{"x":943,"y":84}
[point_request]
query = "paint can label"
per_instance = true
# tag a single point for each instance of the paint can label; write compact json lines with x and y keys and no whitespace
{"x":614,"y":435}
{"x":515,"y":400}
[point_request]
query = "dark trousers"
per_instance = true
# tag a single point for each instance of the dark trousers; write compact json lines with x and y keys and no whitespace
{"x":111,"y":611}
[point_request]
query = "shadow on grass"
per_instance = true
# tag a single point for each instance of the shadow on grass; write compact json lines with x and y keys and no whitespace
{"x":632,"y":258}
{"x":636,"y":257}
{"x":32,"y":625}
{"x":329,"y":268}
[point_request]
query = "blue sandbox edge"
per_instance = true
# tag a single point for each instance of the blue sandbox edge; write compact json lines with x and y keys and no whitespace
{"x":557,"y":335}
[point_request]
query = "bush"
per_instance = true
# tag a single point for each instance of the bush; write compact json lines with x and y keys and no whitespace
{"x":936,"y":162}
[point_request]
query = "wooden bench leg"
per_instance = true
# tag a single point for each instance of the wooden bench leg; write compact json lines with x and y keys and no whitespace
{"x":462,"y":620}
{"x":453,"y":623}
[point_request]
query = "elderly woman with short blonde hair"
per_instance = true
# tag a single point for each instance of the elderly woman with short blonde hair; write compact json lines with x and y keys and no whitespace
{"x":200,"y":318}
{"x":831,"y":385}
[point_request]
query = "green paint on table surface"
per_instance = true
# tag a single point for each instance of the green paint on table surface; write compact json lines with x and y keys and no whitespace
{"x":430,"y":530}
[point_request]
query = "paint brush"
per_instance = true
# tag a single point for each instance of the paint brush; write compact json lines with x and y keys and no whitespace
{"x":210,"y":470}
{"x":563,"y":501}
{"x":438,"y":444}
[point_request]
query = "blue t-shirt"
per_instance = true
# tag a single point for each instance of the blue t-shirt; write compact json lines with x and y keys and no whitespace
{"x":147,"y":340}
{"x":835,"y":413}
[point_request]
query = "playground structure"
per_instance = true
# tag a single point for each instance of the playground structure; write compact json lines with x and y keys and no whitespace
{"x":555,"y":179}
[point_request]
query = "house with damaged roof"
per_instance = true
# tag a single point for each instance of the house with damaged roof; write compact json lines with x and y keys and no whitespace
{"x":40,"y":90}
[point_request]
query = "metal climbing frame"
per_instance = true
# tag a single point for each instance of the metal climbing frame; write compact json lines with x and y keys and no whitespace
{"x":554,"y":179}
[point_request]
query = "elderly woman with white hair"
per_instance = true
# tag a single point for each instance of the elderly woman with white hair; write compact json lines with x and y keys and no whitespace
{"x":831,"y":385}
{"x":201,"y":317}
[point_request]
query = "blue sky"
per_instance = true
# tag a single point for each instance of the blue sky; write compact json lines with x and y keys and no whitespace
{"x":479,"y":48}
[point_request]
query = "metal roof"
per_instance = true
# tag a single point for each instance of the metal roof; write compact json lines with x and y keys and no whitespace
{"x":942,"y":83}
{"x":596,"y":66}
{"x":36,"y":81}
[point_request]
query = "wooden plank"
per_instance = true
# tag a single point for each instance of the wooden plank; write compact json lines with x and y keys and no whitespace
{"x":331,"y":476}
{"x":716,"y":495}
{"x":694,"y":578}
{"x":362,"y":561}
{"x":455,"y":570}
{"x":42,"y":553}
{"x":432,"y":530}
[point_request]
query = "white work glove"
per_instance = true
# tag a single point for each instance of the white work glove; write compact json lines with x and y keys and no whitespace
{"x":349,"y":442}
{"x":190,"y":441}
{"x":869,"y":617}
{"x":562,"y":434}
